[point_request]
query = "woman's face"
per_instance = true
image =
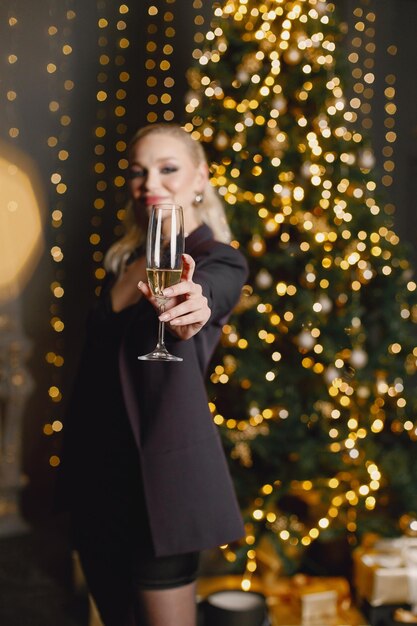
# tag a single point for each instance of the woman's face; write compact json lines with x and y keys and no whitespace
{"x":162,"y":171}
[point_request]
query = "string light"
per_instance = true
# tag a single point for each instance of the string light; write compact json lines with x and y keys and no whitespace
{"x":60,"y":85}
{"x":389,"y":123}
{"x":103,"y":95}
{"x":159,"y":48}
{"x":150,"y":63}
{"x":120,"y":112}
{"x":199,"y":22}
{"x":10,"y":85}
{"x":362,"y":57}
{"x":166,"y":62}
{"x":112,"y":115}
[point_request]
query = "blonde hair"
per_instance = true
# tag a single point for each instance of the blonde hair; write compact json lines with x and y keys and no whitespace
{"x":210,"y":210}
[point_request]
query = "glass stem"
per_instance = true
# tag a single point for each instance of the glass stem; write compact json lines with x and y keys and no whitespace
{"x":161,"y":330}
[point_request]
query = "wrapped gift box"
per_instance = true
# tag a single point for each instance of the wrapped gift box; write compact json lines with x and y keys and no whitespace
{"x":380,"y":573}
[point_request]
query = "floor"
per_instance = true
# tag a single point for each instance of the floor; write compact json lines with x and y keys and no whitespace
{"x":36,"y":582}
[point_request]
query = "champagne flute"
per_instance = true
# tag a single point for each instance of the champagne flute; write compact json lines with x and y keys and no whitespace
{"x":164,"y":250}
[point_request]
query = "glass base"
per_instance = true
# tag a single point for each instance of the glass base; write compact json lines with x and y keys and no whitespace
{"x":159,"y":354}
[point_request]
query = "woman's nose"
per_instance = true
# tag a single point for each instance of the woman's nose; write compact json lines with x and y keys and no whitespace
{"x":151,"y":180}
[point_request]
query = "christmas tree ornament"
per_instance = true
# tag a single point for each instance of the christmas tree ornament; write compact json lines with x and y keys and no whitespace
{"x":292,"y":56}
{"x":330,"y":374}
{"x":306,"y":340}
{"x":363,"y":392}
{"x":279,"y":103}
{"x":243,"y":76}
{"x":358,"y":358}
{"x":256,"y":246}
{"x":264,"y":279}
{"x":221,"y":140}
{"x":326,"y":303}
{"x":366,"y":159}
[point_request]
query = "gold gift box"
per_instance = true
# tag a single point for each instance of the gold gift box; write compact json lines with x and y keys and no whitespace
{"x":379,"y":573}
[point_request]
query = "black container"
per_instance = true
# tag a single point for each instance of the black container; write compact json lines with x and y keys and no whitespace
{"x":235,"y":608}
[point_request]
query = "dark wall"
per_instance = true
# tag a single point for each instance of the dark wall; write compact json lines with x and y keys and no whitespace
{"x":400,"y":25}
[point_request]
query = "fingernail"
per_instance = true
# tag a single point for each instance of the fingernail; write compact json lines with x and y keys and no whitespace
{"x":164,"y":317}
{"x":140,"y":284}
{"x":168,"y":291}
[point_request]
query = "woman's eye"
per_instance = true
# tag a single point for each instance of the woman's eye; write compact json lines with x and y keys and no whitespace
{"x":131,"y":174}
{"x":168,"y":169}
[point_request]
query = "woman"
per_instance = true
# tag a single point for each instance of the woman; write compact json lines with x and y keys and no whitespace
{"x":143,"y":467}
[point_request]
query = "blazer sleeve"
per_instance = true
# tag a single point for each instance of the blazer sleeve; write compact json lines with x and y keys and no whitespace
{"x":101,"y":311}
{"x":221,"y":272}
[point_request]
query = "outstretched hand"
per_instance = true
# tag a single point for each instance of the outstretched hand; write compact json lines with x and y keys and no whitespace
{"x":186,"y":309}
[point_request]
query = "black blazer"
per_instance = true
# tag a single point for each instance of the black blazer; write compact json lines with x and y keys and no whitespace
{"x":189,"y":496}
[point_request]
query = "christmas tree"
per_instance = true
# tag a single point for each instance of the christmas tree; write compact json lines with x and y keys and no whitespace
{"x":312,"y":387}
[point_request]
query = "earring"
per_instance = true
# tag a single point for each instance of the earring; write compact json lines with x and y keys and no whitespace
{"x":199,"y":197}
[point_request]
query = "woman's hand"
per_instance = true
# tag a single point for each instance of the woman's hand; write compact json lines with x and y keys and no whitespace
{"x":186,"y":310}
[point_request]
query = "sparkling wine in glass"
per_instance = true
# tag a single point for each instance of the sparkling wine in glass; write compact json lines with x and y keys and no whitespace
{"x":164,"y":250}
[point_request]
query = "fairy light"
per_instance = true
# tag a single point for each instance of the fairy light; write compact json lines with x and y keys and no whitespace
{"x":120,"y":113}
{"x":290,"y":530}
{"x":150,"y":63}
{"x":159,"y":48}
{"x":166,"y":63}
{"x":105,"y":61}
{"x":362,"y":58}
{"x":199,"y":22}
{"x":13,"y":27}
{"x":60,"y":85}
{"x":389,"y":124}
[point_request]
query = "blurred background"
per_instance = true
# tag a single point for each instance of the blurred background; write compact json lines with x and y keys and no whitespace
{"x":77,"y":78}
